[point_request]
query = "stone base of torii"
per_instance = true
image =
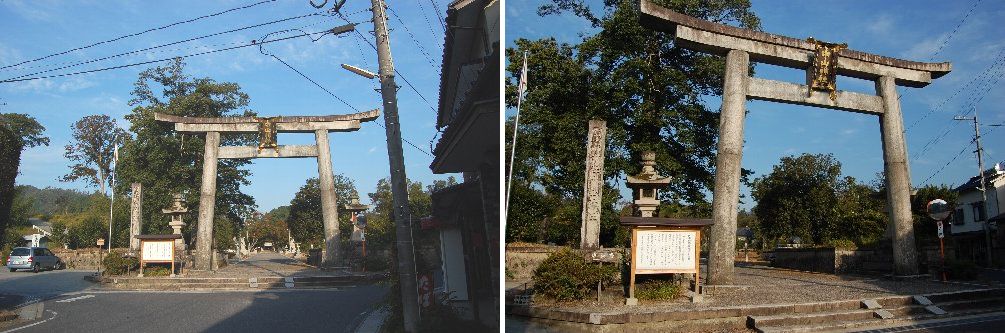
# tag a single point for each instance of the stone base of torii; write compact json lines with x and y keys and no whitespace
{"x":267,"y":128}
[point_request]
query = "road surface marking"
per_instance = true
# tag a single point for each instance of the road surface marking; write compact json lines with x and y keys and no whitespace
{"x":32,"y":324}
{"x":75,"y":299}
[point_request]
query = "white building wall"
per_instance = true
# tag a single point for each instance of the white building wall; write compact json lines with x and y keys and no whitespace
{"x":995,"y":204}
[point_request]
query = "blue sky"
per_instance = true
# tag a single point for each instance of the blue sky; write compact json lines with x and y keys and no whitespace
{"x":912,"y":30}
{"x":33,"y":29}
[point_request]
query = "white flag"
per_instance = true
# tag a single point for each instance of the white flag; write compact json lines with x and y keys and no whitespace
{"x":522,"y":87}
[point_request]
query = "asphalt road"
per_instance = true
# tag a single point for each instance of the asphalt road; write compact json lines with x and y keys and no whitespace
{"x":74,"y":305}
{"x":43,"y":284}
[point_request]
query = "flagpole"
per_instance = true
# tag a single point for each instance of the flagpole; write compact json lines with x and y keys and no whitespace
{"x":521,"y":87}
{"x":111,"y":204}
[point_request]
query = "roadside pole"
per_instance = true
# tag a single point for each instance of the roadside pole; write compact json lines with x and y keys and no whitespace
{"x":396,"y":159}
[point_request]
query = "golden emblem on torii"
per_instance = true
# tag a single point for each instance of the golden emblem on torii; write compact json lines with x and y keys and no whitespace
{"x":822,"y":76}
{"x":267,"y":133}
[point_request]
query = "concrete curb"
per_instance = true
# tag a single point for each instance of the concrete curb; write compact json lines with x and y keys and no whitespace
{"x":373,"y":320}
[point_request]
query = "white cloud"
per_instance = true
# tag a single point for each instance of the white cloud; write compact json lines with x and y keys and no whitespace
{"x":926,"y":48}
{"x":881,"y":25}
{"x":29,"y":11}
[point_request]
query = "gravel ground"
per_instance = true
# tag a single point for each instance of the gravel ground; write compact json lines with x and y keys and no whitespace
{"x":757,"y":285}
{"x":266,"y":264}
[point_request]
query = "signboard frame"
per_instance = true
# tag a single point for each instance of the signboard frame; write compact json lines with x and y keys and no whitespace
{"x":170,"y":239}
{"x":696,"y":270}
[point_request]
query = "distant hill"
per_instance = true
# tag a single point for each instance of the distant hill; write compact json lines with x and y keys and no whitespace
{"x":51,"y":200}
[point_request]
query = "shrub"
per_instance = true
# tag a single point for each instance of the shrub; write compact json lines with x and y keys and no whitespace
{"x":961,"y":270}
{"x":376,"y":263}
{"x":842,"y":244}
{"x":157,"y":271}
{"x":117,"y":263}
{"x":657,"y":290}
{"x":566,"y":276}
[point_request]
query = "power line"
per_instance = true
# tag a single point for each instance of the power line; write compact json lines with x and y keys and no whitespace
{"x":425,"y":18}
{"x":329,"y":91}
{"x":253,"y":43}
{"x":137,"y":34}
{"x":974,"y":98}
{"x":396,"y":72}
{"x":436,"y":9}
{"x":429,"y":58}
{"x":947,"y":163}
{"x":164,"y":45}
{"x":953,"y":33}
{"x":1001,"y":59}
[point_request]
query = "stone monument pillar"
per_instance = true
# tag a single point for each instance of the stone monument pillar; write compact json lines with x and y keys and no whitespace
{"x":593,"y":185}
{"x":176,"y":211}
{"x":136,"y":217}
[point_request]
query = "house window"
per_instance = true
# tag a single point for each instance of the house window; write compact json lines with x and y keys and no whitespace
{"x":979,"y":212}
{"x":958,"y":217}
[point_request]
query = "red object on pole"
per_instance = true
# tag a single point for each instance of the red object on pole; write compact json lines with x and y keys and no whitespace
{"x":942,"y":252}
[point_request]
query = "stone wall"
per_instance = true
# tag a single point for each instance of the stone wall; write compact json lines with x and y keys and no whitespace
{"x":811,"y":259}
{"x":522,"y":259}
{"x":830,"y":260}
{"x":81,"y":258}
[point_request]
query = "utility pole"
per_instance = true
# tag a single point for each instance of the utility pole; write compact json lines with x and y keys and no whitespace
{"x":983,"y":184}
{"x":399,"y":194}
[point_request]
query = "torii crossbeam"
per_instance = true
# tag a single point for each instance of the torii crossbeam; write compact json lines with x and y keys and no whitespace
{"x":267,"y":128}
{"x":822,"y":62}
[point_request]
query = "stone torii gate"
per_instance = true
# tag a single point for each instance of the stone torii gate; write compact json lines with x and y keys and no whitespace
{"x":822,"y":62}
{"x":267,"y":128}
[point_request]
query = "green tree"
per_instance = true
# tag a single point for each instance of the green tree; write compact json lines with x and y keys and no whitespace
{"x":305,"y":219}
{"x":167,"y":162}
{"x":806,"y":196}
{"x":799,"y":198}
{"x":267,"y":228}
{"x":95,"y":139}
{"x":648,"y":91}
{"x":17,"y":132}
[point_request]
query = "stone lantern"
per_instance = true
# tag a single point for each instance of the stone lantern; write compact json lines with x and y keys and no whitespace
{"x":354,"y":207}
{"x":176,"y":211}
{"x":645,"y":186}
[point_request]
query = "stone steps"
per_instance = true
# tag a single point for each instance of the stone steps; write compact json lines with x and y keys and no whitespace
{"x":896,"y":310}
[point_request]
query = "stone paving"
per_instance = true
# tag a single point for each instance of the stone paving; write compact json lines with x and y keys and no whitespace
{"x":759,"y":285}
{"x":267,"y":264}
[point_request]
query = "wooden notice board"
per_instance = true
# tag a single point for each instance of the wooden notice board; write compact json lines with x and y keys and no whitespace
{"x":664,"y":246}
{"x":157,"y":249}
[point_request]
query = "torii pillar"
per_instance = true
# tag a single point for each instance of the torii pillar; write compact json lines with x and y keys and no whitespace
{"x":267,"y":128}
{"x":822,"y":62}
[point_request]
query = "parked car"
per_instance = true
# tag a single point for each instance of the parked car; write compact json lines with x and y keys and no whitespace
{"x":33,"y":258}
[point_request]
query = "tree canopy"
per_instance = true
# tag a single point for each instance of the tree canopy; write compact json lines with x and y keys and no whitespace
{"x":95,"y":137}
{"x":647,"y":89}
{"x":806,"y":196}
{"x":305,"y":219}
{"x":17,"y":132}
{"x":167,"y":162}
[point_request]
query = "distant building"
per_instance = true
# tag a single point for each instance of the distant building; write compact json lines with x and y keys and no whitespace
{"x":970,"y":215}
{"x":467,"y":215}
